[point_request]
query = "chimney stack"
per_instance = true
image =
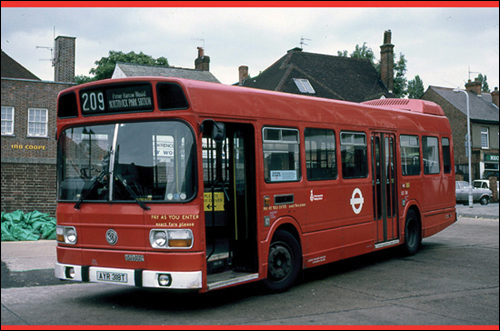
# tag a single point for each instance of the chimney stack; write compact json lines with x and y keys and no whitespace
{"x":64,"y":59}
{"x":202,"y":62}
{"x":387,"y":61}
{"x":494,"y":96}
{"x":474,"y":86}
{"x":243,"y":74}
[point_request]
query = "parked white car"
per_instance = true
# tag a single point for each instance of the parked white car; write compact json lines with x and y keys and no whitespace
{"x":482,"y":183}
{"x":483,"y":195}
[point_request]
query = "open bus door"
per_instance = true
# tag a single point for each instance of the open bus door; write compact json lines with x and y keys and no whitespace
{"x":230,"y":204}
{"x":385,"y":185}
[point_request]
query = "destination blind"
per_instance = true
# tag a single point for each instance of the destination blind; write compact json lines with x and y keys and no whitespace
{"x":116,"y":99}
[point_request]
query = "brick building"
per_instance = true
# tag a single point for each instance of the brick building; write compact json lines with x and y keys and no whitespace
{"x":200,"y":72}
{"x":327,"y":76}
{"x":28,"y":162}
{"x":484,"y":127}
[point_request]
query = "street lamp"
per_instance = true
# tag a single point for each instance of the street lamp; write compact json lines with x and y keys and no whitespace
{"x":469,"y":156}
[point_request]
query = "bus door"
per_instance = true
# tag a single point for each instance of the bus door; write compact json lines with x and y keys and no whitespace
{"x":229,"y":199}
{"x":384,"y":185}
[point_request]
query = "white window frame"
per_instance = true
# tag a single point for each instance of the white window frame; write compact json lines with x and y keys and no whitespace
{"x":11,"y":133}
{"x":30,"y":123}
{"x":304,"y":86}
{"x":487,"y":134}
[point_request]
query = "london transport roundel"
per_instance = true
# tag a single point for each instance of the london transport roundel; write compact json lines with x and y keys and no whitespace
{"x":357,"y":201}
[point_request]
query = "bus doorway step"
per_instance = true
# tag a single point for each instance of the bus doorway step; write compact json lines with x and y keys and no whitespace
{"x":229,"y":278}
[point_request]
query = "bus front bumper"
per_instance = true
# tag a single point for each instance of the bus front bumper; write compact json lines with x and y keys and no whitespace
{"x":130,"y":277}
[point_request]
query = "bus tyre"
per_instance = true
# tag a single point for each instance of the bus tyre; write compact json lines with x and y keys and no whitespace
{"x":284,"y":261}
{"x":412,"y":233}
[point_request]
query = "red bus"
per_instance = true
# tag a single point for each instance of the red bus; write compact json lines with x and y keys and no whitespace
{"x":180,"y":184}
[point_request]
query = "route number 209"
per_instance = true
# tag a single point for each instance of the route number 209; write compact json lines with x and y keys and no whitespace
{"x":93,"y":101}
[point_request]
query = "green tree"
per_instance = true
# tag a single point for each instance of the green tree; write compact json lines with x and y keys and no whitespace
{"x":363,"y":52}
{"x":106,"y":65}
{"x":360,"y":52}
{"x":82,"y":79}
{"x":415,"y":88}
{"x":400,"y":82}
{"x":484,"y":83}
{"x":342,"y":54}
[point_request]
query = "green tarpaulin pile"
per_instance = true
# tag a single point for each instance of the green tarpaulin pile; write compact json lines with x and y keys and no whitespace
{"x":17,"y":226}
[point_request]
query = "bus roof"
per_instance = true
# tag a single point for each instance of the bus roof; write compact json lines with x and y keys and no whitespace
{"x":235,"y":102}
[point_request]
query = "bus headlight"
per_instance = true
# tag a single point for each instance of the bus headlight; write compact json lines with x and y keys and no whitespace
{"x":66,"y":235}
{"x":171,"y":238}
{"x":159,"y":239}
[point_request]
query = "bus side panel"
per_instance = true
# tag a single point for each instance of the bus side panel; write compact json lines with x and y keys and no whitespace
{"x":435,"y":223}
{"x":359,"y":228}
{"x":326,"y":247}
{"x":323,"y":203}
{"x":358,"y":239}
{"x":435,"y":189}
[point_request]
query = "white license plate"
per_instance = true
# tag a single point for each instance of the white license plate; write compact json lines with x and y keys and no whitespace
{"x":112,"y":277}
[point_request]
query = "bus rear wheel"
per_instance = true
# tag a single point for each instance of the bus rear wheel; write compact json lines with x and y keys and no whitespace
{"x":284,"y":261}
{"x":412,"y":233}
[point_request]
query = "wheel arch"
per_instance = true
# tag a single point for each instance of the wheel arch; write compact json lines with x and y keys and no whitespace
{"x":416,"y":209}
{"x":285,"y":223}
{"x":289,"y":225}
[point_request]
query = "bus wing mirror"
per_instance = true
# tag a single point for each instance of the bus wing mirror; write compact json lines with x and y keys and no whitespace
{"x":216,"y":130}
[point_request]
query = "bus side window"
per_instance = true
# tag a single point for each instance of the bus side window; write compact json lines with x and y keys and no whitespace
{"x":320,"y":154}
{"x":430,"y":148}
{"x":281,"y":155}
{"x":410,"y":155}
{"x":354,"y":155}
{"x":446,"y":155}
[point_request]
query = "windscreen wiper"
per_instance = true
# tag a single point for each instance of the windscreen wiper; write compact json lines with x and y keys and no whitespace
{"x":132,"y":193}
{"x":98,"y":179}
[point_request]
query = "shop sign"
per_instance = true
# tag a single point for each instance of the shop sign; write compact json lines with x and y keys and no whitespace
{"x":28,"y":147}
{"x":491,"y":158}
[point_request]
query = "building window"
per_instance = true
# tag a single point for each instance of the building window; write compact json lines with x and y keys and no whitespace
{"x":485,"y":139}
{"x":37,"y":122}
{"x":304,"y":85}
{"x":7,"y":121}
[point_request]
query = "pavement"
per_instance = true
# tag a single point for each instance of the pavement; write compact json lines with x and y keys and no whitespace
{"x":31,"y":263}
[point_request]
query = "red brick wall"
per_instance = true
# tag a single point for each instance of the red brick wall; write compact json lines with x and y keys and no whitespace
{"x":29,"y":164}
{"x":64,"y":59}
{"x":29,"y":187}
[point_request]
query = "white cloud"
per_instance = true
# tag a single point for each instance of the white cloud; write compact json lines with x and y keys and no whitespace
{"x":438,"y":43}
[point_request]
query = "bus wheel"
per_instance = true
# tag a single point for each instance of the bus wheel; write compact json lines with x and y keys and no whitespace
{"x":283,"y":262}
{"x":412,"y":233}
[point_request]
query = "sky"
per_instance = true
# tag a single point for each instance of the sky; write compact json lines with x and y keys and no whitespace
{"x":444,"y":46}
